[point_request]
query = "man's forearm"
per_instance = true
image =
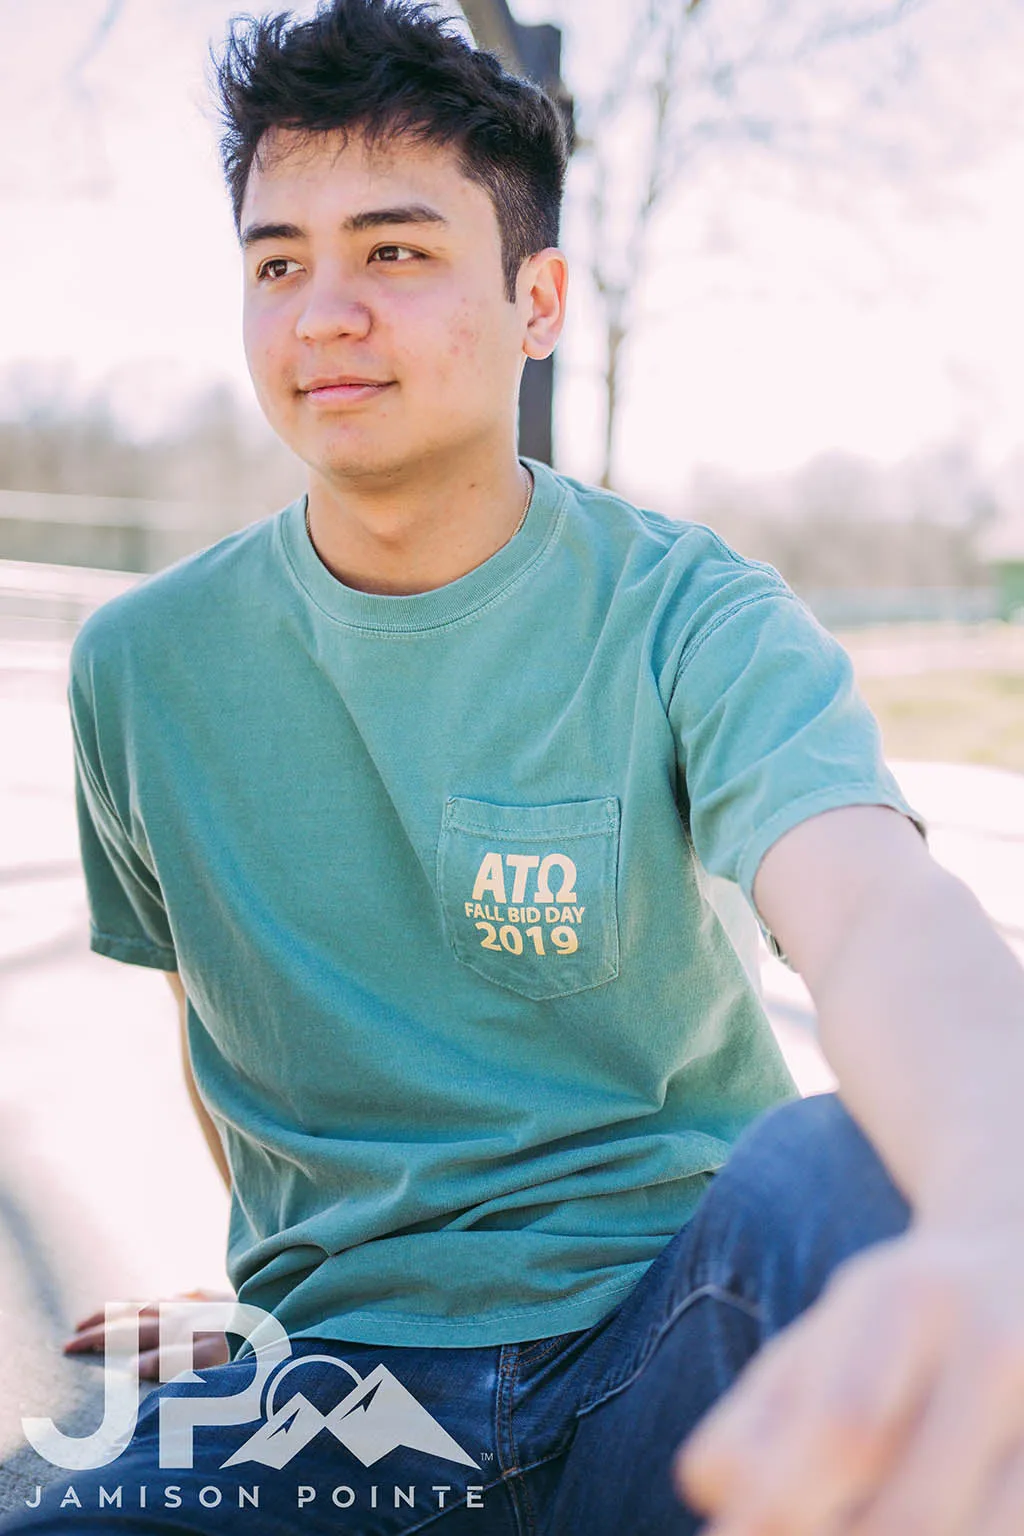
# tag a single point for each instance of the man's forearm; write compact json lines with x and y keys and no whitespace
{"x":208,"y":1128}
{"x":921,"y":1014}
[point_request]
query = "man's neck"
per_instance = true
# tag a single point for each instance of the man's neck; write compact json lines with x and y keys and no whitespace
{"x":399,"y":537}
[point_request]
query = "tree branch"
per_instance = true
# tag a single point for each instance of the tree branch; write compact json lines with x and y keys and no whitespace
{"x":622,"y":87}
{"x":95,"y":42}
{"x":846,"y":30}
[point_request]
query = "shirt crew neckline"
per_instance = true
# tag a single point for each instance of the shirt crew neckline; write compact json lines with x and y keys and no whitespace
{"x":391,"y":614}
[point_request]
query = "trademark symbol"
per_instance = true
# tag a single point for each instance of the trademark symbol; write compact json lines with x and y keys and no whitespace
{"x":486,"y":1455}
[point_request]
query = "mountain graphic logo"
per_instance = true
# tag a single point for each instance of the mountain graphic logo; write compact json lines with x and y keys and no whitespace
{"x":375,"y":1417}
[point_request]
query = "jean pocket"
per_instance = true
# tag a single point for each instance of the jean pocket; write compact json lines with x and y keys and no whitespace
{"x":528,"y":892}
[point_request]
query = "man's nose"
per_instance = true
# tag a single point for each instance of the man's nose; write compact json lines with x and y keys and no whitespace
{"x":332,"y":308}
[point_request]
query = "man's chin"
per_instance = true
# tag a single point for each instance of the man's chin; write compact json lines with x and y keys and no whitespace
{"x":348,"y":457}
{"x":353,"y":464}
{"x":341,"y":452}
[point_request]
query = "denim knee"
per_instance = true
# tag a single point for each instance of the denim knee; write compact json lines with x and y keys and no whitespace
{"x":803,"y":1190}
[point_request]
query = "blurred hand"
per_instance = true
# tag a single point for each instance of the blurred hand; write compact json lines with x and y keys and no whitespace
{"x":893,"y":1407}
{"x":207,"y":1349}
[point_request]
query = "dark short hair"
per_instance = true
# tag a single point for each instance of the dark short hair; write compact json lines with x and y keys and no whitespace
{"x":386,"y":68}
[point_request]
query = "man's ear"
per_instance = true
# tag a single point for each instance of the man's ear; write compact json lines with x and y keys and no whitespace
{"x":542,"y":287}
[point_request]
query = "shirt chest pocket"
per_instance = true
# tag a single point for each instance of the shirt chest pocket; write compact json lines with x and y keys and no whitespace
{"x":528,"y":892}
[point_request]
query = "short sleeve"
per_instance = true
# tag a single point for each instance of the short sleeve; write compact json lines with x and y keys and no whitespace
{"x":770,"y":731}
{"x":128,"y":919}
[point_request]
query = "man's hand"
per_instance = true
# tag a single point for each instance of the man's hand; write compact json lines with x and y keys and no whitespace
{"x":893,"y":1407}
{"x":208,"y":1348}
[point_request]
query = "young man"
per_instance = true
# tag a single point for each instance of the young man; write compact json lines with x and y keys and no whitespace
{"x":414,"y":786}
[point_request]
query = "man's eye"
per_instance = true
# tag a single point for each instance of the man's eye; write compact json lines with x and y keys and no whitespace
{"x":272,"y":270}
{"x":390,"y":254}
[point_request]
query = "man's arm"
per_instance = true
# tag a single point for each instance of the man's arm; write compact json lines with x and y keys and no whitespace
{"x":210,"y":1132}
{"x":904,"y":1386}
{"x":920,"y":1005}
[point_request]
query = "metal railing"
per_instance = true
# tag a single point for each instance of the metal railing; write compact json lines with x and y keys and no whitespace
{"x":49,"y":602}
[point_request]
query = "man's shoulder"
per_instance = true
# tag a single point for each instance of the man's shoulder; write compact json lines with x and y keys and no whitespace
{"x":163,"y":609}
{"x":691,"y":558}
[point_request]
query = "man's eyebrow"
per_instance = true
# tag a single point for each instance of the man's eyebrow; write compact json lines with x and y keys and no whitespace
{"x":254,"y":233}
{"x":369,"y":218}
{"x":408,"y":213}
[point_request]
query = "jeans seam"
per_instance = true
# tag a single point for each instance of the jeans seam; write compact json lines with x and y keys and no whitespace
{"x":508,"y":1450}
{"x":504,"y":1437}
{"x":531,"y":1514}
{"x":717,"y":1292}
{"x":542,"y":1350}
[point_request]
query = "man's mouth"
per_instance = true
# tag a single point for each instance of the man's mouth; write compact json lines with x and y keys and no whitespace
{"x":343,"y":387}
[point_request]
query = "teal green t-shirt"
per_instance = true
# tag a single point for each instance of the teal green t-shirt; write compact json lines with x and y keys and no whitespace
{"x":432,"y":869}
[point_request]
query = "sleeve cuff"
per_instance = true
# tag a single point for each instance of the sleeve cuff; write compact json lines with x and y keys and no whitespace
{"x":133,"y":951}
{"x":832,"y":799}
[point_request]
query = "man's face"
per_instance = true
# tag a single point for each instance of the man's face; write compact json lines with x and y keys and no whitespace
{"x":377,"y":329}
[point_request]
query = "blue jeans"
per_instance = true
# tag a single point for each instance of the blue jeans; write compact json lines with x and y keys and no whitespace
{"x":565,"y":1435}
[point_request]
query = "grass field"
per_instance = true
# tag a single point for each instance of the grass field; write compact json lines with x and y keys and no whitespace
{"x":951,"y":717}
{"x":945,"y":693}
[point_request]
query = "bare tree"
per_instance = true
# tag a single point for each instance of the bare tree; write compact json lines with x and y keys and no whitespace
{"x":697,"y":74}
{"x":614,"y":271}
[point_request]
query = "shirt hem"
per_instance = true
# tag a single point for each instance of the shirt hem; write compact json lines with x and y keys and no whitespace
{"x":473,"y":1331}
{"x":132,"y":952}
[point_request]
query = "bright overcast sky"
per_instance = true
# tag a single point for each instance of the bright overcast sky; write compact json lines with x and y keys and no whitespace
{"x":775,"y":327}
